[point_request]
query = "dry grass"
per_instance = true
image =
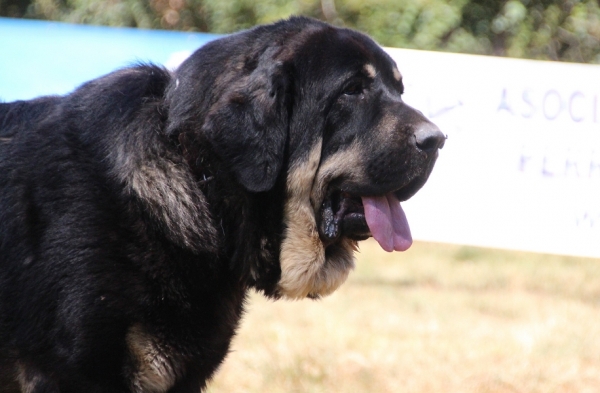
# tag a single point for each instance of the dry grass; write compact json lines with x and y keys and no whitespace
{"x":438,"y":318}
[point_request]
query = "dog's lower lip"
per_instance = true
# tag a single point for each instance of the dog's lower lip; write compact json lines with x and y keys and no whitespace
{"x":342,"y":214}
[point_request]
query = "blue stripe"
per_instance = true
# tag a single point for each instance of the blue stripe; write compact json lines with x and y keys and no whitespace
{"x":42,"y":58}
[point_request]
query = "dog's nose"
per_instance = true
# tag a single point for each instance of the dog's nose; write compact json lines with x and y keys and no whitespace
{"x":429,"y":138}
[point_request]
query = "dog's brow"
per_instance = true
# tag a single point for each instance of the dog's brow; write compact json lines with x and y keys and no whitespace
{"x":397,"y":74}
{"x":370,"y":70}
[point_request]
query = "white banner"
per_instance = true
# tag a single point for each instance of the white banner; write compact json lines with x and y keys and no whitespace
{"x":521,"y":166}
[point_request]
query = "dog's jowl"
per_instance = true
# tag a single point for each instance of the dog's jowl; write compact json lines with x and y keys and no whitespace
{"x":138,"y":211}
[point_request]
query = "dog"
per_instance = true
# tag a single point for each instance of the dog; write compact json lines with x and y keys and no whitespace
{"x":138,"y":211}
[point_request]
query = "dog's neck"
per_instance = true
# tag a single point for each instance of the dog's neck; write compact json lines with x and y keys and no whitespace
{"x":250,"y":224}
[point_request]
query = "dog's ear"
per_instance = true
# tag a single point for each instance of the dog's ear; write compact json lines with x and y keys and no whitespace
{"x":248,"y":125}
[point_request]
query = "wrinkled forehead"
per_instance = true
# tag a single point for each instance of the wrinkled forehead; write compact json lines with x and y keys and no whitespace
{"x":379,"y":63}
{"x":349,"y":52}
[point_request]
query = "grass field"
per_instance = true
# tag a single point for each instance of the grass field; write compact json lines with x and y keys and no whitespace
{"x":438,"y":318}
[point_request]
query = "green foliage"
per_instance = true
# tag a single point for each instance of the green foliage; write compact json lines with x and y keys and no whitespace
{"x":566,"y":30}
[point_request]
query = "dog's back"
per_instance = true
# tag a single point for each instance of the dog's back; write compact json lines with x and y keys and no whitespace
{"x":20,"y":115}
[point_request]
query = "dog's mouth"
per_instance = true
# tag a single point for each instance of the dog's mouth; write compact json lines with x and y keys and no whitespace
{"x":359,"y":217}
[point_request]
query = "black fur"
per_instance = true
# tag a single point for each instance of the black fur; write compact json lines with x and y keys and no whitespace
{"x":152,"y":202}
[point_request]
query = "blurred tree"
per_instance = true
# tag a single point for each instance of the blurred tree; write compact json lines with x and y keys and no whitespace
{"x":13,"y":8}
{"x":565,"y":30}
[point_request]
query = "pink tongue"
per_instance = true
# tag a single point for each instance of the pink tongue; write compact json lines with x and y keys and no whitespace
{"x":387,"y":222}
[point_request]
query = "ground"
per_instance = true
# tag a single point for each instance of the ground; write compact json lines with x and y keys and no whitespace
{"x":438,"y":318}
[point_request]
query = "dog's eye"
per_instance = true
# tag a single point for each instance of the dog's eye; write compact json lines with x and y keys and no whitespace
{"x":353,"y":89}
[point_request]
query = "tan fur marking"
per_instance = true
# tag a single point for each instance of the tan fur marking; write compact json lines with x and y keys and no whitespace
{"x":346,"y":162}
{"x":302,"y":253}
{"x":386,"y":128}
{"x":168,"y":189}
{"x":28,"y":383}
{"x":370,"y":70}
{"x":306,"y":267}
{"x":156,"y":370}
{"x":397,"y":74}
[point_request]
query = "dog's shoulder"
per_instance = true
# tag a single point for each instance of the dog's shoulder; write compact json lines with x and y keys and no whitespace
{"x":127,"y":129}
{"x":109,"y":131}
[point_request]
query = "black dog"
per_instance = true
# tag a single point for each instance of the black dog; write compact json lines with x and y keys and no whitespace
{"x":137,"y":212}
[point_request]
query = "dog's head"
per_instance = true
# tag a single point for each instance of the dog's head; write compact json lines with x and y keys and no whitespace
{"x":319,"y":108}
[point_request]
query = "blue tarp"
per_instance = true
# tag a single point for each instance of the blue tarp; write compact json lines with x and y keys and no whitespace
{"x":41,"y":58}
